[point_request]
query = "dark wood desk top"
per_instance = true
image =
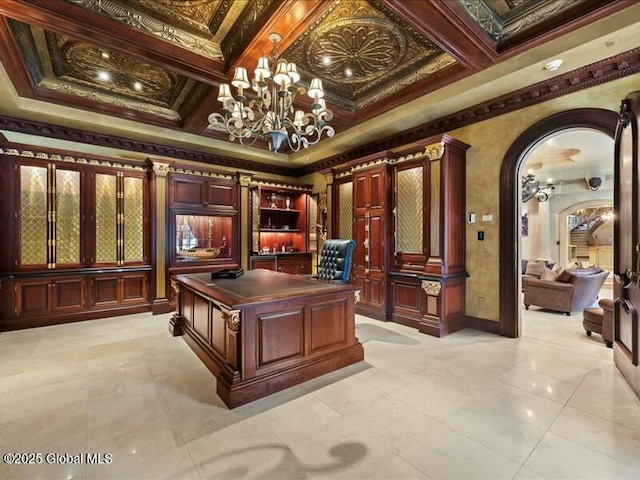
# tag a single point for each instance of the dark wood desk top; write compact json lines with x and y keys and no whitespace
{"x":258,"y":286}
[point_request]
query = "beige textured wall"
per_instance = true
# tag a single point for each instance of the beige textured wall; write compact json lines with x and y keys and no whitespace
{"x":489,"y":142}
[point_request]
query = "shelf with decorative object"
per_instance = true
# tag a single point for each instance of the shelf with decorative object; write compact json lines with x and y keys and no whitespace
{"x":278,"y":219}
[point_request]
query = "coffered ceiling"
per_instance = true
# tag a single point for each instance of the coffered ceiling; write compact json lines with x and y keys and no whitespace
{"x":158,"y":63}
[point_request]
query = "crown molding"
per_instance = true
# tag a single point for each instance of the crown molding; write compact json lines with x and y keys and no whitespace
{"x":152,"y":149}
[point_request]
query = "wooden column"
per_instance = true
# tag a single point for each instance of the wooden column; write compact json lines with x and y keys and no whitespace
{"x":245,"y":221}
{"x":329,"y":204}
{"x":159,"y":188}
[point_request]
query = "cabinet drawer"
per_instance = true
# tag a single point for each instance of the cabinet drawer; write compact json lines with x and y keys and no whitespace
{"x":268,"y":263}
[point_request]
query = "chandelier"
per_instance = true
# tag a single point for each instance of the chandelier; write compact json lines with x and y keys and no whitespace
{"x":532,"y":188}
{"x":270,"y":113}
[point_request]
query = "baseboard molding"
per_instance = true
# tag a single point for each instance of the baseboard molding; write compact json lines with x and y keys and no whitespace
{"x":482,"y":324}
{"x":21,"y":323}
{"x":160,"y":306}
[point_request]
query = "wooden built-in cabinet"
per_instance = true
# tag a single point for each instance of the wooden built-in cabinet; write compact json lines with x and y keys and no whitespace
{"x":371,"y":210}
{"x":75,"y":223}
{"x":408,"y":221}
{"x":204,"y":223}
{"x":279,"y":229}
{"x":213,"y":193}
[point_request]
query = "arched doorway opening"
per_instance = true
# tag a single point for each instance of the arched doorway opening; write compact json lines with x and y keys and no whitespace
{"x":510,"y":197}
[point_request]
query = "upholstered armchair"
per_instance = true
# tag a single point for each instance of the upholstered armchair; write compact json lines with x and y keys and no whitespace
{"x":335,"y":261}
{"x":580,"y":291}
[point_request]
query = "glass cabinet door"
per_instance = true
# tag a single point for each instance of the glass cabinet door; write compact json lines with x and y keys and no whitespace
{"x":409,"y":210}
{"x":50,"y":216}
{"x":34,"y":207}
{"x":106,"y":189}
{"x":67,"y":217}
{"x":119,"y":218}
{"x":133,"y":219}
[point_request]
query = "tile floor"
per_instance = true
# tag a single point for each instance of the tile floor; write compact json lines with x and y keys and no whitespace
{"x":550,"y":405}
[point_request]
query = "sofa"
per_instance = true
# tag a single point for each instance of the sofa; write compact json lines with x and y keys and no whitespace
{"x":571,"y":291}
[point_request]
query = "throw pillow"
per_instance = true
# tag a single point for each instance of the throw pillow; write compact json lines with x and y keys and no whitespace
{"x":548,"y":274}
{"x":535,"y":269}
{"x":564,"y":277}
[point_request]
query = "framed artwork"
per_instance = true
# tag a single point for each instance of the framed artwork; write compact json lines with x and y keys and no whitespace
{"x":525,"y":225}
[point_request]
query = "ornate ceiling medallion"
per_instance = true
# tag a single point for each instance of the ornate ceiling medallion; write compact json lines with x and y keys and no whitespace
{"x":120,"y":74}
{"x":356,"y":49}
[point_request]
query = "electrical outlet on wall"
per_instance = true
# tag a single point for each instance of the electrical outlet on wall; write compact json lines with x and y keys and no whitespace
{"x":482,"y":304}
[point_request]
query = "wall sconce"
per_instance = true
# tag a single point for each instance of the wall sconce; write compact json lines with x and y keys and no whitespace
{"x":532,"y":188}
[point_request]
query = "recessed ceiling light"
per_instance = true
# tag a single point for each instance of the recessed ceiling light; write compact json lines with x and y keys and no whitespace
{"x":326,"y":60}
{"x":348,"y":72}
{"x":105,"y":55}
{"x":104,"y":76}
{"x":553,"y":65}
{"x":137,"y":86}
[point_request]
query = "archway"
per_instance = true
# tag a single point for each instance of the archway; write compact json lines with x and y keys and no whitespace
{"x":594,"y":118}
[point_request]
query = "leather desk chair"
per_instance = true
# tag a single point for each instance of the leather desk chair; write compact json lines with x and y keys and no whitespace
{"x":335,"y":261}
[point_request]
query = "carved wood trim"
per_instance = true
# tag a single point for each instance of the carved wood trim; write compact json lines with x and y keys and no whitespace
{"x":72,"y":134}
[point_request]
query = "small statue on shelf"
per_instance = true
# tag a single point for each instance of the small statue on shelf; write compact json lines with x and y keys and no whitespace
{"x":272,"y":198}
{"x":288,"y":202}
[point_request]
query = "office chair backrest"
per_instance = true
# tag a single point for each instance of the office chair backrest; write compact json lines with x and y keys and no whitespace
{"x":335,"y":260}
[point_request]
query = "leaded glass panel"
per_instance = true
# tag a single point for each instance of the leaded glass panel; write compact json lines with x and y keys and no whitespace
{"x":33,"y":210}
{"x":133,"y":221}
{"x":409,"y":221}
{"x":345,"y":213}
{"x":106,"y":219}
{"x":67,"y":216}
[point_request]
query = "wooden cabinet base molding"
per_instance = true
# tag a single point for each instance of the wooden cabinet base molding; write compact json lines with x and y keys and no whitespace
{"x":433,"y":305}
{"x":39,"y":299}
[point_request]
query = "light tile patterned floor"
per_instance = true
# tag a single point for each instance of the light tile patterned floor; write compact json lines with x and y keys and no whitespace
{"x":550,"y":405}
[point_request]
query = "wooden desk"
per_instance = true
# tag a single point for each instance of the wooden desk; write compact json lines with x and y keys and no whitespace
{"x":266,"y":331}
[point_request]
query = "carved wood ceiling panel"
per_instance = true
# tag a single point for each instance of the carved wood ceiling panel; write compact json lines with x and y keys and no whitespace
{"x":364,"y":53}
{"x":77,"y":68}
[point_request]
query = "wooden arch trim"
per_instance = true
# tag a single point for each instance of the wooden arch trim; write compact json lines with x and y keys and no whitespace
{"x":593,"y":118}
